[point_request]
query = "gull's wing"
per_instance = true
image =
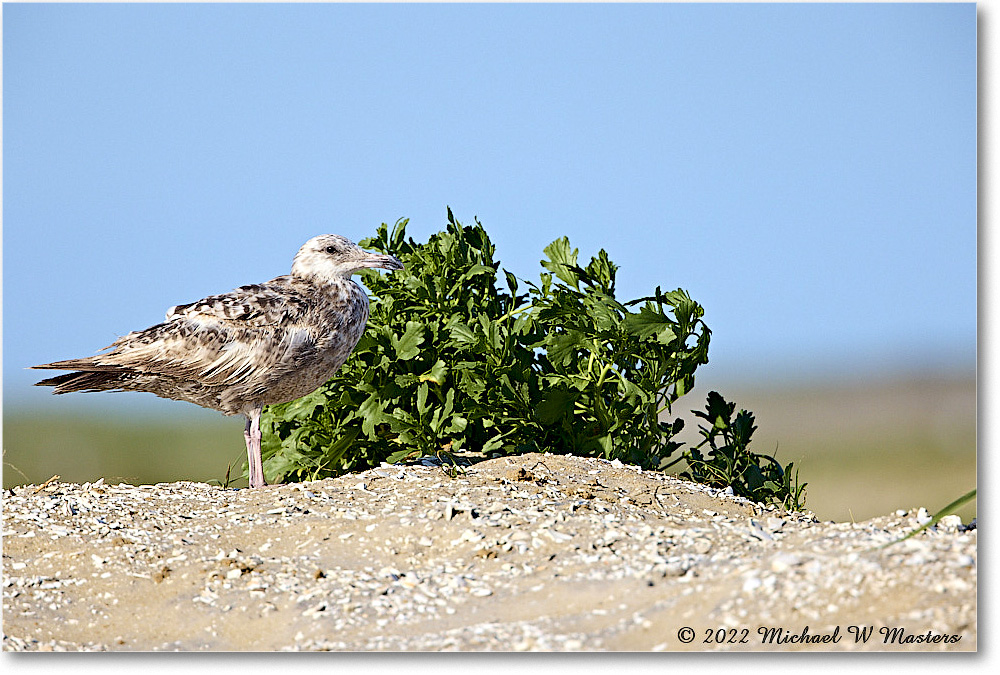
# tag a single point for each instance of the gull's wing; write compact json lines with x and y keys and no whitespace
{"x":219,"y":340}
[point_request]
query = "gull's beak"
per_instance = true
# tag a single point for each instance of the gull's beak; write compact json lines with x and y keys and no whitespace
{"x":386,"y":262}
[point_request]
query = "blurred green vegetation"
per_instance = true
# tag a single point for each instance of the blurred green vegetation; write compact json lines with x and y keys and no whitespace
{"x":864,"y":448}
{"x":137,"y":449}
{"x":870,"y":446}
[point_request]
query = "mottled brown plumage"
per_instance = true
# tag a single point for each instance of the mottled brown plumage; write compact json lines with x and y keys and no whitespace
{"x":258,"y":345}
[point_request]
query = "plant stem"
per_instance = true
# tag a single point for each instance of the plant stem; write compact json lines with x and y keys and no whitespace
{"x":514,"y":312}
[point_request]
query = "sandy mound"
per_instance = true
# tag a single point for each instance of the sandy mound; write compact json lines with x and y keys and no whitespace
{"x":526,"y":553}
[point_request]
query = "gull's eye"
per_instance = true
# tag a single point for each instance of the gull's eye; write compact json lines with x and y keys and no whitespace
{"x":332,"y":250}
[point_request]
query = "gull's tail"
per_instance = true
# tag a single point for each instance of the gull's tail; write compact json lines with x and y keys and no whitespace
{"x":90,"y":376}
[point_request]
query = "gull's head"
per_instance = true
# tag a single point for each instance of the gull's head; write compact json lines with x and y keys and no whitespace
{"x":329,"y":256}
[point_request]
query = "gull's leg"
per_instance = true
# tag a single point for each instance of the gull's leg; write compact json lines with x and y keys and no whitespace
{"x":251,"y":434}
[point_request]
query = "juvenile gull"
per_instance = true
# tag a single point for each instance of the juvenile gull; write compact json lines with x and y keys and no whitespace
{"x":258,"y":345}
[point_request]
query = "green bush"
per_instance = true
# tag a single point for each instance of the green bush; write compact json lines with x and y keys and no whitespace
{"x":450,"y":362}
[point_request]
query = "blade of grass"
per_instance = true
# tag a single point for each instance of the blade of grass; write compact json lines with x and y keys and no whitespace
{"x":954,"y":506}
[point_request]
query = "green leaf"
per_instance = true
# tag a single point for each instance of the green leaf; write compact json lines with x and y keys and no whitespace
{"x":604,"y":312}
{"x":400,"y":455}
{"x":407,"y":346}
{"x":555,"y":405}
{"x":337,"y":449}
{"x":562,"y":347}
{"x":649,"y":322}
{"x":511,"y":282}
{"x":460,"y":332}
{"x":494,"y":443}
{"x":422,"y":398}
{"x":477,"y":270}
{"x":437,"y":373}
{"x":601,"y":272}
{"x":606,"y":444}
{"x":457,"y":425}
{"x":753,"y":477}
{"x":562,"y":261}
{"x":371,"y":412}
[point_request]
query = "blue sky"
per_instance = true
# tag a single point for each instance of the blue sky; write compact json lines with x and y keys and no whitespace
{"x":807,"y":172}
